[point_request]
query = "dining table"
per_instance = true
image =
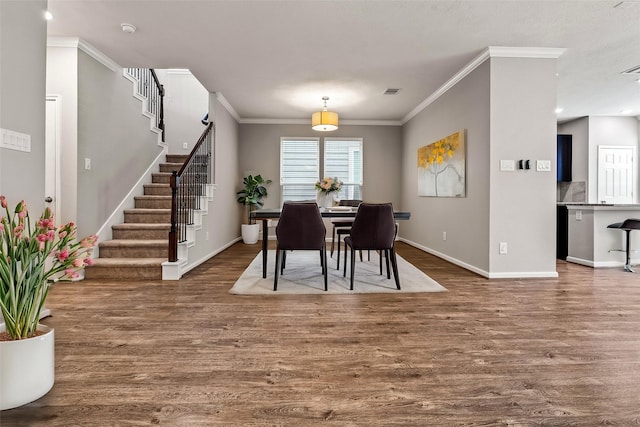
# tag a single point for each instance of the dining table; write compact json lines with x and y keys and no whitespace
{"x":265,"y":215}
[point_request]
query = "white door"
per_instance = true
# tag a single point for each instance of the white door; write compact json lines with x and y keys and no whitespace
{"x":616,"y":177}
{"x":52,"y":155}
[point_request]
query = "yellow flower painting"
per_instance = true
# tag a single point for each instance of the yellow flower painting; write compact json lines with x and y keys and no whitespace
{"x":441,"y":167}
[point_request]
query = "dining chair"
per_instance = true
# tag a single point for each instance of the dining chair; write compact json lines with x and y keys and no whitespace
{"x":374,"y":228}
{"x":300,"y":227}
{"x":341,"y":226}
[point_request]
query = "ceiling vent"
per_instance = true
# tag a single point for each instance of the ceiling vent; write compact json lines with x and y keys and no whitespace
{"x":635,"y":70}
{"x":395,"y":91}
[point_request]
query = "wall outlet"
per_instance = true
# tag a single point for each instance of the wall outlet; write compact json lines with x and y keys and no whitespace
{"x":543,"y":165}
{"x":507,"y":165}
{"x":444,"y":235}
{"x":503,"y":248}
{"x":185,"y":145}
{"x":578,"y":215}
{"x":87,"y":164}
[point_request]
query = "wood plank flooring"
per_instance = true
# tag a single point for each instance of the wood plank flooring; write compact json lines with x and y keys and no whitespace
{"x":551,"y":352}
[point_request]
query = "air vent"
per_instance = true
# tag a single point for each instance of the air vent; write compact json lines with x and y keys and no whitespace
{"x":395,"y":91}
{"x":635,"y":70}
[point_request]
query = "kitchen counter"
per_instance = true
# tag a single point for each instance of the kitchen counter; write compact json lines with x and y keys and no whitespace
{"x":590,"y":242}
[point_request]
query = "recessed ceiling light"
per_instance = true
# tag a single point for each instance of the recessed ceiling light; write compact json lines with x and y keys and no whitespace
{"x":559,"y":110}
{"x":48,"y":16}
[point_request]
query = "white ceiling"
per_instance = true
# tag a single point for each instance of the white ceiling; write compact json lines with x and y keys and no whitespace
{"x":277,"y":59}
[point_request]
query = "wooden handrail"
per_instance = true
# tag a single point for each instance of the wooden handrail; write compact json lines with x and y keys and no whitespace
{"x":188,"y":185}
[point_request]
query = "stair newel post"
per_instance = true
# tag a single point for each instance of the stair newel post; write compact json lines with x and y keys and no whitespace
{"x":173,"y":231}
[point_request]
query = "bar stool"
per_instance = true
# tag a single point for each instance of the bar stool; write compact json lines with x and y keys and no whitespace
{"x":627,"y":226}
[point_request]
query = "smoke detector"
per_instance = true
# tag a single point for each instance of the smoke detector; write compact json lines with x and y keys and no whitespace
{"x":128,"y":28}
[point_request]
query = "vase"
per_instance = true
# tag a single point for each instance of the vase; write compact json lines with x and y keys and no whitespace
{"x":324,"y":200}
{"x":26,"y":368}
{"x":250,"y":233}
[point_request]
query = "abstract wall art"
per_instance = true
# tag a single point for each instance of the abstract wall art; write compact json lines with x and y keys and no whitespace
{"x":441,"y":167}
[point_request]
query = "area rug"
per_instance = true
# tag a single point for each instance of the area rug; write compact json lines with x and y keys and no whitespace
{"x":303,"y":275}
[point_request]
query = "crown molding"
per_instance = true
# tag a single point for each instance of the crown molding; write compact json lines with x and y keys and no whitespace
{"x":75,"y":42}
{"x":489,"y":52}
{"x":227,"y":106}
{"x":308,"y":122}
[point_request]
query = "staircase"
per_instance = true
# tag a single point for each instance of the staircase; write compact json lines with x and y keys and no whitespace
{"x":140,"y":245}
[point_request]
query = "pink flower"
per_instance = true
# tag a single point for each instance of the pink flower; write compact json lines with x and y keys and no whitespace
{"x":63,"y":255}
{"x":21,"y":209}
{"x":62,"y":234}
{"x":89,"y":242}
{"x":88,"y":261}
{"x":18,"y":230}
{"x":51,"y":235}
{"x":78,"y":262}
{"x":42,"y":238}
{"x":1,"y":227}
{"x":3,"y":202}
{"x":41,"y":246}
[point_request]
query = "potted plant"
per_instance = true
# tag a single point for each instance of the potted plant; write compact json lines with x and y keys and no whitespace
{"x":326,"y":189}
{"x":251,"y":196}
{"x":31,"y":257}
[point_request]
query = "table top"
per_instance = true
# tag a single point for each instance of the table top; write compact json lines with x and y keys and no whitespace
{"x":325,"y":212}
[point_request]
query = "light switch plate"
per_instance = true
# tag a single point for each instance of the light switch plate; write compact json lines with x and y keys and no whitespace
{"x":15,"y":140}
{"x":507,"y":165}
{"x":543,"y":165}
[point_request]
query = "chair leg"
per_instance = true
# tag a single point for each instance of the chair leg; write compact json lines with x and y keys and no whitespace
{"x":386,"y":257}
{"x":333,"y":239}
{"x":353,"y":264}
{"x":344,"y":273}
{"x":394,"y":263}
{"x":380,"y":252}
{"x":283,"y":262}
{"x":275,"y":277}
{"x":338,"y":256}
{"x":325,"y":269}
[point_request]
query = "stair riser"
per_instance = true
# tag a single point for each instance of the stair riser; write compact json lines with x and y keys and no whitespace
{"x":123,"y":273}
{"x":169,"y":168}
{"x":133,"y":252}
{"x":141,"y":234}
{"x":161,"y":178}
{"x":157,"y":191}
{"x":177,"y":158}
{"x":147,"y":218}
{"x":153,"y":203}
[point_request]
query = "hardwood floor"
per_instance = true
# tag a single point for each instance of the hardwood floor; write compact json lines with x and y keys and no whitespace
{"x":550,"y":352}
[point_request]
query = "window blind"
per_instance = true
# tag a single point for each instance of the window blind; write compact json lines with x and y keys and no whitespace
{"x":343,"y":159}
{"x":299,"y":168}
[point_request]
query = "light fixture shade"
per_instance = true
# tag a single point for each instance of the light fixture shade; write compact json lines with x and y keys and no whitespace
{"x":324,"y":121}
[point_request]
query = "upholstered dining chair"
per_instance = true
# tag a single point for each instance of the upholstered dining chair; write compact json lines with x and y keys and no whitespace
{"x":374,"y":228}
{"x":300,"y":227}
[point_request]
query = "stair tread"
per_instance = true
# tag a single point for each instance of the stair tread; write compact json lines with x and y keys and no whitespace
{"x":106,"y":262}
{"x":152,"y":196}
{"x":135,"y":242}
{"x":141,"y":226}
{"x":147,"y":210}
{"x":156,"y":184}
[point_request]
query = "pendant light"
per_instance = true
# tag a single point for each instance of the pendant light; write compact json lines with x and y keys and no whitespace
{"x":324,"y":120}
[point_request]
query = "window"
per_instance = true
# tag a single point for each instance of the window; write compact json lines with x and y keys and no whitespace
{"x":300,"y":166}
{"x":343,"y":159}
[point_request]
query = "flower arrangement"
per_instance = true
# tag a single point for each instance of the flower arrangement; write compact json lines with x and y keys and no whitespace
{"x":329,"y":185}
{"x":31,"y":255}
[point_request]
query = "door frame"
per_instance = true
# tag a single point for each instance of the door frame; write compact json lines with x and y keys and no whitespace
{"x":57,"y":205}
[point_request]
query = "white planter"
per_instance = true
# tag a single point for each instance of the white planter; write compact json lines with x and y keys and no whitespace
{"x":250,"y":233}
{"x":324,"y":200}
{"x":26,"y":368}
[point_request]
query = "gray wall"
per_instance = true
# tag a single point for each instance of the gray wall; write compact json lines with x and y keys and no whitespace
{"x":465,"y":220}
{"x":513,"y":207}
{"x":382,"y":151}
{"x":114,"y":134}
{"x":523,"y":203}
{"x":23,"y":33}
{"x":185,"y":102}
{"x":590,"y":132}
{"x":62,"y":81}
